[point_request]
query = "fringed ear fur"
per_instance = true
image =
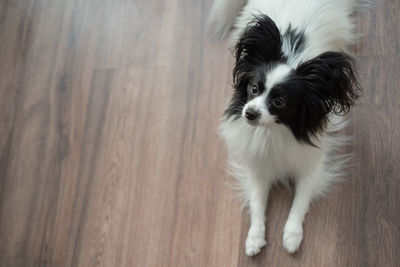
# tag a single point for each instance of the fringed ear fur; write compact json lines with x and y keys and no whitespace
{"x":332,"y":78}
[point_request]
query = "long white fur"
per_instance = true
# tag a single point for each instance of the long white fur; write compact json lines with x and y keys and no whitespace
{"x":263,"y":155}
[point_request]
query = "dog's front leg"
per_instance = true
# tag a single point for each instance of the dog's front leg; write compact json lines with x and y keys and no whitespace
{"x":306,"y":189}
{"x":258,"y":196}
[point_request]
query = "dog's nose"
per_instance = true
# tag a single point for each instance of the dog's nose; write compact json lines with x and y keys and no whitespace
{"x":252,"y":114}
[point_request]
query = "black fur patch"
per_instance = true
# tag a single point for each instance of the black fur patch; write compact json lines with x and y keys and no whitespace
{"x":295,"y":39}
{"x":317,"y":87}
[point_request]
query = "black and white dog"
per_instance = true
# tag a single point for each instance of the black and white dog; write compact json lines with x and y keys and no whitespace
{"x":293,"y":80}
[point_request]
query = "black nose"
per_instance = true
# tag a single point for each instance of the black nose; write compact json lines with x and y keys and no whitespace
{"x":252,"y":114}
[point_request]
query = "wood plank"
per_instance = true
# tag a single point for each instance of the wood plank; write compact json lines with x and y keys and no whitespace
{"x":109,"y":147}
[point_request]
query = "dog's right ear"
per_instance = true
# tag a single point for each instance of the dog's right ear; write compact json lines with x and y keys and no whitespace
{"x":259,"y":43}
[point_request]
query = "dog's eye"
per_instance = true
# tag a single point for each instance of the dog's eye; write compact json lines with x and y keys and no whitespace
{"x":279,"y":102}
{"x":254,"y":90}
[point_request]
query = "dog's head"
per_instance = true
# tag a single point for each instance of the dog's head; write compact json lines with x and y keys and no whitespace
{"x":269,"y":91}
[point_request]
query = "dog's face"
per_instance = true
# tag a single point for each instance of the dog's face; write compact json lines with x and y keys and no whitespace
{"x":267,"y":101}
{"x":268,"y":91}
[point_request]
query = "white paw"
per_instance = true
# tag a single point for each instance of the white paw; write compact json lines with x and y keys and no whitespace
{"x":292,"y":236}
{"x":254,"y":244}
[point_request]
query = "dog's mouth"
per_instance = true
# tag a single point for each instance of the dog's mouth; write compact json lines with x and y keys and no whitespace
{"x":252,"y":122}
{"x":262,"y":121}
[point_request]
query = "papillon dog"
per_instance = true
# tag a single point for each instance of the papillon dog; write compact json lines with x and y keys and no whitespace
{"x":294,"y":79}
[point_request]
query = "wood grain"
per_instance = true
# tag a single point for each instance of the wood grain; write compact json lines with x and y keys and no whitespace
{"x":109,"y":153}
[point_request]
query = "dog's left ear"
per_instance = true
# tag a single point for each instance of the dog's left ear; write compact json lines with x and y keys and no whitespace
{"x":331,"y":77}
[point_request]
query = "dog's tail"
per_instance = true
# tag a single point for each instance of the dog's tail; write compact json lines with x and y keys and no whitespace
{"x":222,"y":16}
{"x":360,"y":4}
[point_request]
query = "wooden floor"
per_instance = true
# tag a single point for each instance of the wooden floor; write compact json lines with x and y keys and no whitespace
{"x":109,"y":153}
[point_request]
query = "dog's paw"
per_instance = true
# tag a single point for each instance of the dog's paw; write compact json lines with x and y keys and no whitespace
{"x":292,"y":236}
{"x":254,"y":244}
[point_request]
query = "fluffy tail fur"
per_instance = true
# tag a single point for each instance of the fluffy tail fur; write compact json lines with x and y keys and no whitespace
{"x":223,"y":14}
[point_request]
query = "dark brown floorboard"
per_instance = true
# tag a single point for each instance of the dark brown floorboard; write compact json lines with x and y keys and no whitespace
{"x":109,"y":154}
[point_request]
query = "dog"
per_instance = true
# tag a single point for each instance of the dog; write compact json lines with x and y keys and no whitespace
{"x":294,"y":79}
